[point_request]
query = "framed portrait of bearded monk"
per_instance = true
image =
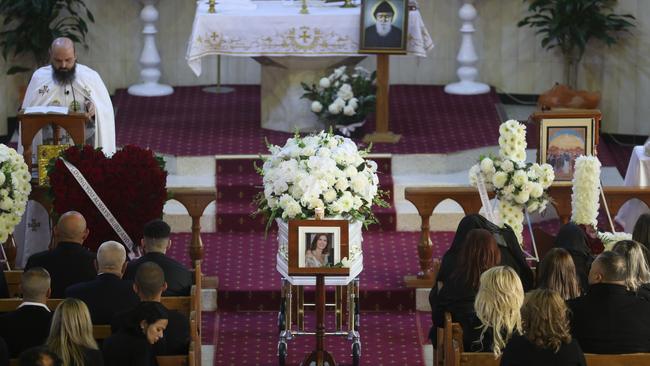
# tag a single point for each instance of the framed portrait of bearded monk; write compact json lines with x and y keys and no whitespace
{"x":384,"y":26}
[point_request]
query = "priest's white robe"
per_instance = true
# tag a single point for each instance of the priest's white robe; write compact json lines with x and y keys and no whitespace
{"x":32,"y":234}
{"x":87,"y":86}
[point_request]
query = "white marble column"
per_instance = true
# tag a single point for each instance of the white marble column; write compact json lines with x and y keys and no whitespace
{"x":467,"y":72}
{"x":150,"y":59}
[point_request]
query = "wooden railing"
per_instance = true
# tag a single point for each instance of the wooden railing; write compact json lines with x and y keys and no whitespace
{"x":426,"y":200}
{"x":195,"y":200}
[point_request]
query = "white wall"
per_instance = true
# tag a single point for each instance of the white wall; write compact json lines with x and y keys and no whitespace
{"x":511,"y":58}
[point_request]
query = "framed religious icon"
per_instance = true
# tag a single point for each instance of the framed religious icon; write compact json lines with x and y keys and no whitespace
{"x":562,"y":140}
{"x":317,"y":247}
{"x":384,"y":26}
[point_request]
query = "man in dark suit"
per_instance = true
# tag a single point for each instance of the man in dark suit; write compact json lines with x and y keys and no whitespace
{"x":69,"y":262}
{"x":156,"y":242}
{"x":107,"y":294}
{"x":29,"y":325}
{"x":149,"y":285}
{"x":609,"y":319}
{"x":383,"y":34}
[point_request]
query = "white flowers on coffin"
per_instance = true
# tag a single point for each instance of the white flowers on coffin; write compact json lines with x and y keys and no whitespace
{"x":320,"y":171}
{"x":518,"y":185}
{"x":14,"y":190}
{"x":585,"y":199}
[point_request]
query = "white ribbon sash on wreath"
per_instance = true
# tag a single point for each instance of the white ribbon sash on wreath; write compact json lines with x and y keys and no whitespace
{"x":485,"y":200}
{"x":101,"y":206}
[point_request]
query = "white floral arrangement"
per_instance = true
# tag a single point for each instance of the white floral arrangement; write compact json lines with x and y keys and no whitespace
{"x":319,"y":171}
{"x":343,"y":100}
{"x":14,"y":190}
{"x":585,"y":198}
{"x":518,"y":185}
{"x":609,"y":239}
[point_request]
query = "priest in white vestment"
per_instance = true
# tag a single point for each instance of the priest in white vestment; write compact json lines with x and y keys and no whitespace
{"x":66,"y":83}
{"x":63,"y":83}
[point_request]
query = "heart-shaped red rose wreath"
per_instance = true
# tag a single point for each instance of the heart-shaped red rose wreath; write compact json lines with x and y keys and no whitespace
{"x":131,"y":183}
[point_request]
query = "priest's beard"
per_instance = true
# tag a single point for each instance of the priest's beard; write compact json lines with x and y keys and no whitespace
{"x":383,"y":27}
{"x":64,"y":76}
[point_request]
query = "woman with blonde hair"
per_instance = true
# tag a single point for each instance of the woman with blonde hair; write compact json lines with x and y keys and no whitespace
{"x":638,"y":273}
{"x":547,"y":339}
{"x":498,"y":307}
{"x":557,"y":272}
{"x":71,"y":335}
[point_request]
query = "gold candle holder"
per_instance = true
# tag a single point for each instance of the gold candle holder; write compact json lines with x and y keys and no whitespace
{"x":348,"y":4}
{"x":211,"y":8}
{"x":303,"y":9}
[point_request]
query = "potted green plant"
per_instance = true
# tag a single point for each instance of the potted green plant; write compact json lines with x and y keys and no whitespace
{"x":571,"y":24}
{"x":30,"y":26}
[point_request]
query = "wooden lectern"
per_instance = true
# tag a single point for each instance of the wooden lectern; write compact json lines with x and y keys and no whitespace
{"x":30,"y":124}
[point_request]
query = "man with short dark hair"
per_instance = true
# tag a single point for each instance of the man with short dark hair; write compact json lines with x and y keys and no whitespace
{"x":29,"y":325}
{"x":149,"y":284}
{"x":156,"y":242}
{"x":69,"y":262}
{"x":609,"y":319}
{"x":107,"y":294}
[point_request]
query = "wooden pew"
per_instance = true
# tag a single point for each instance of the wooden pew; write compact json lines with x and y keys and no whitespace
{"x":426,"y":200}
{"x":182,"y":304}
{"x":13,"y":282}
{"x":453,"y":355}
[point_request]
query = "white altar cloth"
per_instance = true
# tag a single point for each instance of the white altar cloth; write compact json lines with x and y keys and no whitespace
{"x":277,"y":29}
{"x":637,"y":175}
{"x":304,"y":47}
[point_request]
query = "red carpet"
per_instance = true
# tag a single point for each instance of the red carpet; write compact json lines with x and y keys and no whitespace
{"x":251,"y":338}
{"x":191,"y":122}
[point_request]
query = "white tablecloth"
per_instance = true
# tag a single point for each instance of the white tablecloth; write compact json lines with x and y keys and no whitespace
{"x":277,"y":29}
{"x":637,"y":175}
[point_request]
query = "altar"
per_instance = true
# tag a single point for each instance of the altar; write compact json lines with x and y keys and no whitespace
{"x":291,"y":48}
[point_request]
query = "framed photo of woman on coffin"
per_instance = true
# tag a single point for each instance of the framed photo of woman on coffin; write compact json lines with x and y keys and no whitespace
{"x":317,"y":247}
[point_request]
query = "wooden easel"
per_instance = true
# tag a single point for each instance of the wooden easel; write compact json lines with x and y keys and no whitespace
{"x":382,"y":134}
{"x":30,"y":124}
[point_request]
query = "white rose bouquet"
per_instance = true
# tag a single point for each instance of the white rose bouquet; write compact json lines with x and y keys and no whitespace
{"x":14,"y":190}
{"x":319,"y":171}
{"x":343,"y":100}
{"x":518,"y":185}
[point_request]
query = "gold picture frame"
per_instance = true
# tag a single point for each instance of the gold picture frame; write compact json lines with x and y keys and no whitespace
{"x":46,"y":153}
{"x":303,"y":234}
{"x":562,"y":140}
{"x":384,"y":35}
